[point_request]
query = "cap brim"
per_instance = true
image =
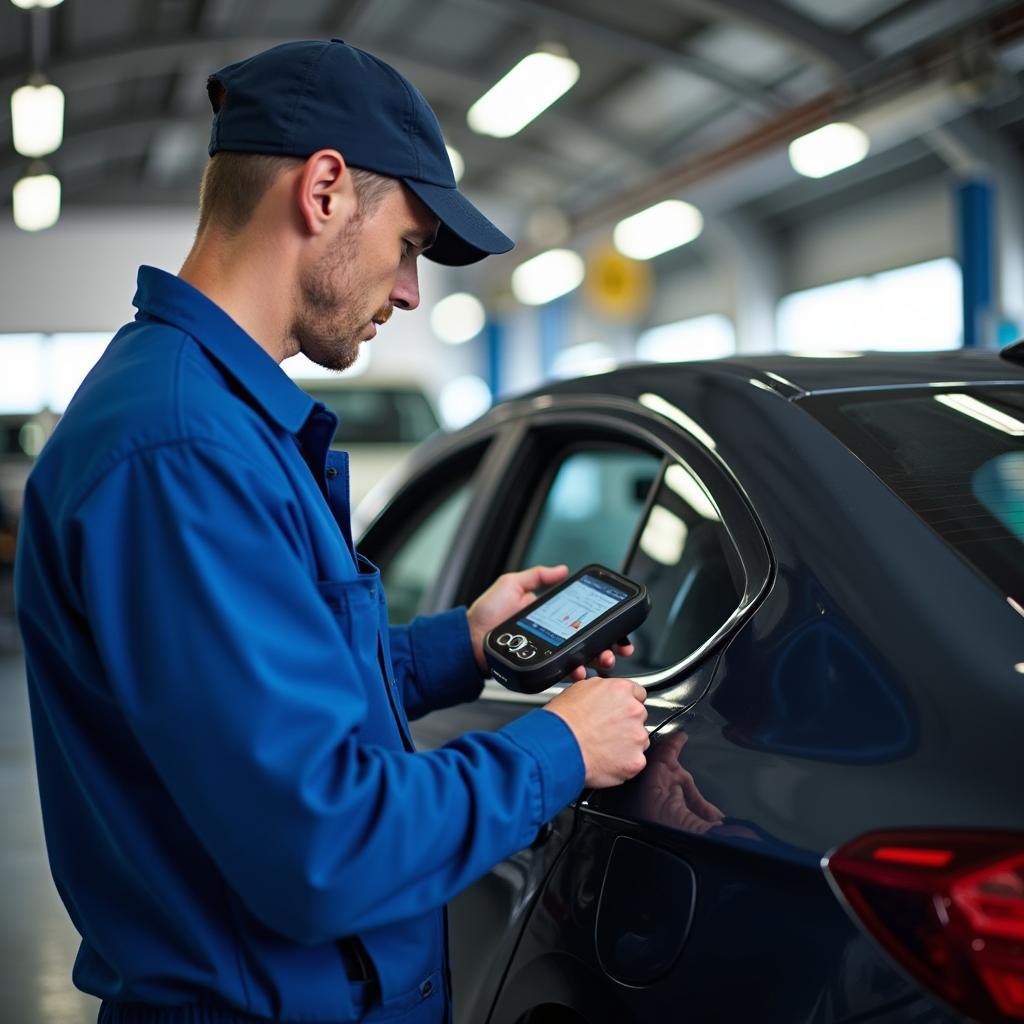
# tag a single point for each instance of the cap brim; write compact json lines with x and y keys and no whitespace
{"x":464,"y":235}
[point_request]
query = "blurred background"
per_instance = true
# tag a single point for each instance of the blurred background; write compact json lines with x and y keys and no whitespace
{"x":686,"y":179}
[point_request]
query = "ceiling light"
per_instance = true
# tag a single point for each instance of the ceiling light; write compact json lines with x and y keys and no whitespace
{"x":458,"y":164}
{"x":37,"y":119}
{"x":983,"y":413}
{"x":26,"y":5}
{"x":524,"y":93}
{"x":657,"y":229}
{"x":458,"y":318}
{"x":828,"y":149}
{"x":463,"y":400}
{"x":547,"y":276}
{"x":36,"y":202}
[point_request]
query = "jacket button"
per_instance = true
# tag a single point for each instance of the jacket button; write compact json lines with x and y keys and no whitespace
{"x":426,"y":988}
{"x":331,"y":472}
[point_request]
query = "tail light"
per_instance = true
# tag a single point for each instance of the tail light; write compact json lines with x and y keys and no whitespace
{"x":948,"y":906}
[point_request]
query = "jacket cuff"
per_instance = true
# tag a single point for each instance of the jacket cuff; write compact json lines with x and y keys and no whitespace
{"x":560,"y":762}
{"x":442,"y":652}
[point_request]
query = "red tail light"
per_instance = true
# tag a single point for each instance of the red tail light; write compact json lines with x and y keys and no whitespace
{"x":949,"y":906}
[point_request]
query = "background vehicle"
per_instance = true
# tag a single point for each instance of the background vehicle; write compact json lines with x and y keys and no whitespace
{"x":21,"y":438}
{"x":836,"y":648}
{"x":379,"y":424}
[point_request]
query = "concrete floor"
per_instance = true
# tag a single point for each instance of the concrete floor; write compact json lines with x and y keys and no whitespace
{"x":37,"y":941}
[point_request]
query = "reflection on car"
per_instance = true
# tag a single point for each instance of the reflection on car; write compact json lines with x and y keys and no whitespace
{"x":829,"y":827}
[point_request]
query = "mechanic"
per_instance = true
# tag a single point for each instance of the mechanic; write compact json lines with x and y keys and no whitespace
{"x":236,"y":819}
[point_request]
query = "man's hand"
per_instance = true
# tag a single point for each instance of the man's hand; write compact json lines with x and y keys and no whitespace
{"x":607,"y":718}
{"x":669,"y":793}
{"x":511,"y":593}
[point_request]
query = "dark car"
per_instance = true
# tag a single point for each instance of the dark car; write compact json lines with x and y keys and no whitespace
{"x":830,"y":827}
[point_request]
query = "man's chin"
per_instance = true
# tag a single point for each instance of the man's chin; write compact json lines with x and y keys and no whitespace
{"x":328,"y":360}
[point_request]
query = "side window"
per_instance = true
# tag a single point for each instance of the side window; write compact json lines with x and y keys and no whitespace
{"x":592,"y":509}
{"x":415,"y":565}
{"x":691,"y":568}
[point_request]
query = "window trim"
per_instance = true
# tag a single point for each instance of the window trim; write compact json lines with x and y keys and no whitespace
{"x":604,"y":414}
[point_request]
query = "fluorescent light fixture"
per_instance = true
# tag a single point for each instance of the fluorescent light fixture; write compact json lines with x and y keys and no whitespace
{"x":37,"y":119}
{"x":36,"y":201}
{"x":685,"y":484}
{"x":547,"y":276}
{"x":983,"y":413}
{"x":458,"y":318}
{"x":524,"y":93}
{"x":27,"y":5}
{"x":828,"y":149}
{"x":458,"y":164}
{"x":657,"y":229}
{"x":463,"y":400}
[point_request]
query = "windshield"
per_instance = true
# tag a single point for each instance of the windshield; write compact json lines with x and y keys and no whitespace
{"x":956,"y":457}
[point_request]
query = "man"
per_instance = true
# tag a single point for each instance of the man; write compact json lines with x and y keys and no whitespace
{"x":236,"y":819}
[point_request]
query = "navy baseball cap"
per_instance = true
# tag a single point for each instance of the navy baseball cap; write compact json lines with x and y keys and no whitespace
{"x":299,"y":97}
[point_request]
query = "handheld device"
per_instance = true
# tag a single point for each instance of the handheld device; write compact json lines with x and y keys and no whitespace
{"x":567,"y":627}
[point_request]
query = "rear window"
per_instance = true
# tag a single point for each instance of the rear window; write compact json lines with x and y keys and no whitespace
{"x":956,"y":457}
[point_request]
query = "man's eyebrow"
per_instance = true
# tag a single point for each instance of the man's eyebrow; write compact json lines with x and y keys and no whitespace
{"x":425,"y":239}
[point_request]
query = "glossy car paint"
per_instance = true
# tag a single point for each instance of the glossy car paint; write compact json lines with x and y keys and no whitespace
{"x":869,"y":683}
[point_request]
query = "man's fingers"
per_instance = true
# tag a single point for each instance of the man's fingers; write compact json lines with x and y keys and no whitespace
{"x":640,"y":693}
{"x":540,"y":576}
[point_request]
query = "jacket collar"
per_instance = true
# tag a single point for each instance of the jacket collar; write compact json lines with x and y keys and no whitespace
{"x":166,"y":297}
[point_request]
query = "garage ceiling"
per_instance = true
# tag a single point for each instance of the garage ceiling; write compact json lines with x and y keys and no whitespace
{"x":674,"y":95}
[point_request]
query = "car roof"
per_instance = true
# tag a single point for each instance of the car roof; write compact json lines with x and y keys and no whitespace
{"x":796,"y":376}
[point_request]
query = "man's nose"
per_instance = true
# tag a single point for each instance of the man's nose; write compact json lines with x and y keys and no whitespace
{"x":406,"y":292}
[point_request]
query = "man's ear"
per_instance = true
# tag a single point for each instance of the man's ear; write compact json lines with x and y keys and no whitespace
{"x":326,"y":191}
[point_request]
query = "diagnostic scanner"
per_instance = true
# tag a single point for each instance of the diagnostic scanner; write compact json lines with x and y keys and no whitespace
{"x":569,"y":626}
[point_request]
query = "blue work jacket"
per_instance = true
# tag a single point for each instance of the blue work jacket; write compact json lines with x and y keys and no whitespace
{"x":234,"y":813}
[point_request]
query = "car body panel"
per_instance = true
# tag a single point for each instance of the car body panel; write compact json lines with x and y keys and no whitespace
{"x":870,"y":681}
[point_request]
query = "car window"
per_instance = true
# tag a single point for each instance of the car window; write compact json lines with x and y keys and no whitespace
{"x":691,"y":568}
{"x":592,"y":508}
{"x":955,"y":457}
{"x":414,"y":566}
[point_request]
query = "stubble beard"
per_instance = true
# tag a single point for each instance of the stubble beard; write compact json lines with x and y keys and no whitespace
{"x":329,"y":325}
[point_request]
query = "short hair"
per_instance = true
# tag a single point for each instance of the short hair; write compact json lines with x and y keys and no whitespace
{"x":234,"y":183}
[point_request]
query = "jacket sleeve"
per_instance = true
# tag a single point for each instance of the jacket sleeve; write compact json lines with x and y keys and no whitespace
{"x":434,"y":662}
{"x":239,"y":685}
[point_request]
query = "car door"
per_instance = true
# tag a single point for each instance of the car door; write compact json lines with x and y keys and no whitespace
{"x":575,"y":480}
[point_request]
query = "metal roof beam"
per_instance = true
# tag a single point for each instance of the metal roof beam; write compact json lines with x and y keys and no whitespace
{"x":745,"y":90}
{"x":838,"y":51}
